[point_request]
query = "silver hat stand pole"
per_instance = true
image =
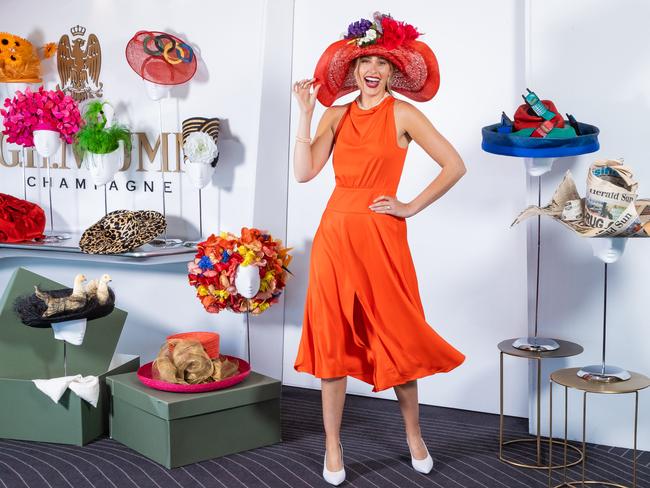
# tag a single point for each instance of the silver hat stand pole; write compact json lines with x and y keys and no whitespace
{"x":248,"y":330}
{"x":536,"y":167}
{"x":65,"y":358}
{"x":52,"y":236}
{"x":608,"y":250}
{"x":247,"y":286}
{"x":105,"y":201}
{"x":164,"y":241}
{"x":24,"y":165}
{"x":200,"y":216}
{"x":195,"y":243}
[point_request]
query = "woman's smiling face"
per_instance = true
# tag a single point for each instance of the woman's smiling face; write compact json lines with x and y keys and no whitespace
{"x":372,"y":74}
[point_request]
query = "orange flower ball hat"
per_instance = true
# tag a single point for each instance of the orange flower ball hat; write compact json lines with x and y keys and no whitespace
{"x":161,"y":58}
{"x":416,"y":67}
{"x":19,"y":61}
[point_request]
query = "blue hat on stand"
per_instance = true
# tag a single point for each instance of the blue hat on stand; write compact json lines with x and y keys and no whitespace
{"x":539,"y":132}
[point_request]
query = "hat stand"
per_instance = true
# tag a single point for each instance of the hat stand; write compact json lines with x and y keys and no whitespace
{"x":539,"y":155}
{"x":52,"y":236}
{"x":199,"y":183}
{"x":608,"y":250}
{"x":164,"y":242}
{"x":109,"y":162}
{"x":248,"y":331}
{"x":195,"y":243}
{"x":537,"y":167}
{"x":247,"y":283}
{"x":24,"y":165}
{"x":65,"y":359}
{"x":47,"y":143}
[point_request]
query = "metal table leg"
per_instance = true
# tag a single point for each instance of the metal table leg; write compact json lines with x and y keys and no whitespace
{"x":584,"y":481}
{"x":538,"y":437}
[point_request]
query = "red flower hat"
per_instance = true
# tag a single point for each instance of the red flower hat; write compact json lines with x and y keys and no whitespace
{"x":416,"y":73}
{"x":161,"y":58}
{"x":20,"y":220}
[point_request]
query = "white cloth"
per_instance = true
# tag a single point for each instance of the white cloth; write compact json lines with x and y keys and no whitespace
{"x":70,"y":331}
{"x":86,"y":387}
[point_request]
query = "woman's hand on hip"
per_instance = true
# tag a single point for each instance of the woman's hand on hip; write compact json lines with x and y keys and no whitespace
{"x":306,"y":97}
{"x":390,"y":205}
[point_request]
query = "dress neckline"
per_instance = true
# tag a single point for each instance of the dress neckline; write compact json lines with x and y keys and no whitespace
{"x":370,"y":110}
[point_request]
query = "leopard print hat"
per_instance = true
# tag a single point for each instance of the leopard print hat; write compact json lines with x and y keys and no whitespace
{"x":122,"y":231}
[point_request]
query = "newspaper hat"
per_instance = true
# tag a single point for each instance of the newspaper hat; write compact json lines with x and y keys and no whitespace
{"x":161,"y":58}
{"x":610,"y":209}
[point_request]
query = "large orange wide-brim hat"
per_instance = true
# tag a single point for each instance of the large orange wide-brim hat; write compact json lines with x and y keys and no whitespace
{"x":416,"y":75}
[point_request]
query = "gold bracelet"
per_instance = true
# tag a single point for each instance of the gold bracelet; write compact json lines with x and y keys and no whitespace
{"x":306,"y":140}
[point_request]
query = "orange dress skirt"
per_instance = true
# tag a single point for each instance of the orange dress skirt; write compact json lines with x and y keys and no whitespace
{"x":363,"y":315}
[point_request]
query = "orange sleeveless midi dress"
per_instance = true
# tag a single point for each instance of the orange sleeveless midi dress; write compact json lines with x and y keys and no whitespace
{"x":363,"y":316}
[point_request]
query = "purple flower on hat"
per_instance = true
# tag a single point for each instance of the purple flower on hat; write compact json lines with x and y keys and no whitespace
{"x":358,"y":29}
{"x":225,"y":257}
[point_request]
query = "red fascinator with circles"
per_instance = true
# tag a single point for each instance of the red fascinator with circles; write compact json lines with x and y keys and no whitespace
{"x":416,"y":73}
{"x":161,"y":58}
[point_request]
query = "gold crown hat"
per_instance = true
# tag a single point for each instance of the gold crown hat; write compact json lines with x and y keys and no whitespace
{"x":202,"y":124}
{"x":19,"y":60}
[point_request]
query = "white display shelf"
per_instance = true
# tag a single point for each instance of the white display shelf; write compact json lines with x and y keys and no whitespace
{"x":69,"y":250}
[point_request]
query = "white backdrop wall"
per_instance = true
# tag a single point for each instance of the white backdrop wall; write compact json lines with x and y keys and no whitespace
{"x":475,"y":278}
{"x":232,"y":82}
{"x":584,"y":57}
{"x":472,"y":275}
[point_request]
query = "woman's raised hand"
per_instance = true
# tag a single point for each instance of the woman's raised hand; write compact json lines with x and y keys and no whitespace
{"x":306,"y":97}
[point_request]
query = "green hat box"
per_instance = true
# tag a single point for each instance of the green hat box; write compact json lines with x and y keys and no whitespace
{"x":28,"y":353}
{"x":175,"y":429}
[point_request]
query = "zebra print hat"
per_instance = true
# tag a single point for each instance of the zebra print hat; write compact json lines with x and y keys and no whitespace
{"x":202,"y":124}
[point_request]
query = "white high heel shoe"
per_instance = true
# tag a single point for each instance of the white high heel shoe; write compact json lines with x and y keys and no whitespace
{"x":334,"y":477}
{"x":421,"y":465}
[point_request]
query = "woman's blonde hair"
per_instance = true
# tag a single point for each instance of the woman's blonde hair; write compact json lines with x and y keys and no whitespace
{"x":389,"y":81}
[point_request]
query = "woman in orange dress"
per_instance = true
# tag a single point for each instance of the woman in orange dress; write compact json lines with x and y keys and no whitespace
{"x":363,"y":316}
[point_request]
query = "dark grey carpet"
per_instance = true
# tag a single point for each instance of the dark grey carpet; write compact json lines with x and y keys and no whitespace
{"x":464,"y":445}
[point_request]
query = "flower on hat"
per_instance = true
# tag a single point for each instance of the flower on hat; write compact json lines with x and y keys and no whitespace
{"x":199,"y":147}
{"x":49,"y":49}
{"x":42,"y":109}
{"x":383,"y":30}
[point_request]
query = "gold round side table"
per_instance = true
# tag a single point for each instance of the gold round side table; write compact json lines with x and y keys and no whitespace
{"x":565,"y":349}
{"x":568,"y":378}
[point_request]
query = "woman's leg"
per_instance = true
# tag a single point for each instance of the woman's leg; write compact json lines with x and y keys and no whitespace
{"x":407,"y":394}
{"x":333,"y":398}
